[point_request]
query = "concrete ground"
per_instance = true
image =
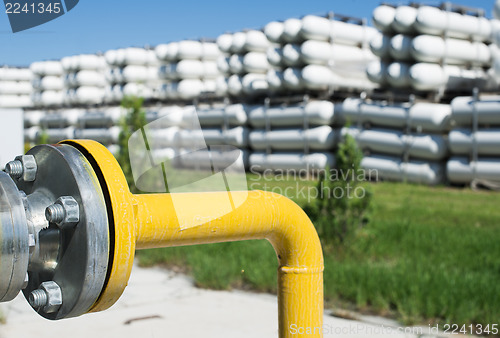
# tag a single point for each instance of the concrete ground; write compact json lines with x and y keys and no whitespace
{"x":161,"y":303}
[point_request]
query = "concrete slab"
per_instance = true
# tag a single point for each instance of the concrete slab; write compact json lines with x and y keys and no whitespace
{"x":161,"y":303}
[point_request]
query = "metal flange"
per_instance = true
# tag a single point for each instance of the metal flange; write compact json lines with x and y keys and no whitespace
{"x":73,"y":257}
{"x":14,"y":246}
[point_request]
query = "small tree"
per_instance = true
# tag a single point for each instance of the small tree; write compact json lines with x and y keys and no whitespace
{"x":342,"y":204}
{"x":134,"y":120}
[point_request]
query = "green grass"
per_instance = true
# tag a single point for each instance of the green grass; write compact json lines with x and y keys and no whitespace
{"x":429,"y":254}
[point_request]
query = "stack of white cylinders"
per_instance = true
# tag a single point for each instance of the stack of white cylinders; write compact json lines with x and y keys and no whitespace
{"x":15,"y":87}
{"x":296,"y":137}
{"x":244,"y":62}
{"x":395,"y":142}
{"x":475,"y":141}
{"x":197,"y":129}
{"x":495,"y":46}
{"x":48,"y":83}
{"x":51,"y":126}
{"x":316,"y":53}
{"x":415,"y":150}
{"x":131,"y":72}
{"x":430,"y":49}
{"x":84,"y":79}
{"x":378,"y":167}
{"x":188,"y":69}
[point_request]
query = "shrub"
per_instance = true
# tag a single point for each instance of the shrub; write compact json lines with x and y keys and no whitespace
{"x":343,"y":201}
{"x":134,"y":120}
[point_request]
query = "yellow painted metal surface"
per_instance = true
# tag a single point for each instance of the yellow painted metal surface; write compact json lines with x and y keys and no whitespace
{"x":154,"y":220}
{"x":121,"y":219}
{"x":263,"y":215}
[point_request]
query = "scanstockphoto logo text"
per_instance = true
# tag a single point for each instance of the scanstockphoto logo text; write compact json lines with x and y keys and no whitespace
{"x":26,"y":14}
{"x":294,"y":180}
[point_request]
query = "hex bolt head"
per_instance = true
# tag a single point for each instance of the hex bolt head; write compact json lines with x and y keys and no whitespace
{"x":65,"y":212}
{"x":47,"y":297}
{"x":22,"y":168}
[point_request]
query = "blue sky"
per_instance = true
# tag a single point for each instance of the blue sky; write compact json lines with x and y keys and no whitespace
{"x":95,"y":25}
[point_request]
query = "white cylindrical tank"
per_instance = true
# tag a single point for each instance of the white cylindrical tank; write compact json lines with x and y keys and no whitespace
{"x":434,"y":21}
{"x":291,"y":30}
{"x":432,"y":76}
{"x":393,"y":169}
{"x":254,"y":83}
{"x":134,"y":73}
{"x":376,"y":71}
{"x":275,"y":56}
{"x":424,"y":116}
{"x":236,"y":64}
{"x":317,"y":138}
{"x":487,"y":110}
{"x":189,"y":49}
{"x":393,"y":142}
{"x":290,"y":161}
{"x":275,"y":80}
{"x":87,"y":78}
{"x":485,"y":141}
{"x":404,"y":19}
{"x":102,"y":135}
{"x":316,"y":77}
{"x":323,"y":53}
{"x":15,"y":74}
{"x":400,"y":47}
{"x":16,"y":101}
{"x":234,"y":115}
{"x":15,"y":88}
{"x":238,"y":43}
{"x":48,"y":83}
{"x":256,"y":62}
{"x":188,"y":69}
{"x":312,"y":113}
{"x":165,"y":137}
{"x":224,"y":42}
{"x":291,"y":55}
{"x":398,"y":74}
{"x":210,"y":51}
{"x":460,"y":170}
{"x":234,"y":86}
{"x":383,"y":17}
{"x":89,"y":95}
{"x":380,"y":45}
{"x":256,"y":41}
{"x":107,"y":118}
{"x":237,"y":137}
{"x":324,"y":29}
{"x":293,"y":79}
{"x":428,"y":48}
{"x":274,"y":31}
{"x":188,"y":89}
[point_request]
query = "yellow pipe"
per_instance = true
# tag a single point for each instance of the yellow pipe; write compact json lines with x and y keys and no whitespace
{"x":263,"y":215}
{"x":159,"y":222}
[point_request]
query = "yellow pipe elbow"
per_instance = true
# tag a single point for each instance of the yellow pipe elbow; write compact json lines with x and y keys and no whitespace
{"x":156,"y":220}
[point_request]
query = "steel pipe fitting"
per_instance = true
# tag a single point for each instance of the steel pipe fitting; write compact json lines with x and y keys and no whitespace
{"x":76,"y":226}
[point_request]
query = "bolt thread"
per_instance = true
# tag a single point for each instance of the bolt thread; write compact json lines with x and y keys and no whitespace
{"x":38,"y":298}
{"x":54,"y":213}
{"x":14,"y":168}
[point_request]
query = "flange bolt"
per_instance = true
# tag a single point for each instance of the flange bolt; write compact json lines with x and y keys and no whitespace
{"x":14,"y":168}
{"x":47,"y":297}
{"x":65,"y":212}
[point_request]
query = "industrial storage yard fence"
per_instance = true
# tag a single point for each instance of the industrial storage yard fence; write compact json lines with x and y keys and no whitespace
{"x":417,"y":92}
